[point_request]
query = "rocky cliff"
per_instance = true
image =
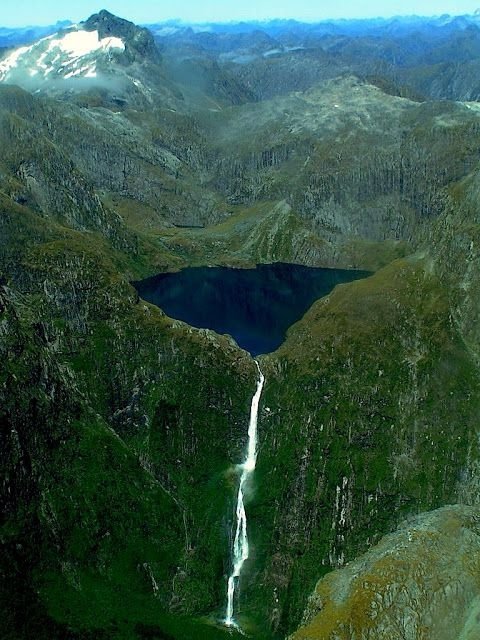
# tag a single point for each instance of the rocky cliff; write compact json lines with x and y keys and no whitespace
{"x":420,"y":582}
{"x":110,"y":436}
{"x":372,"y":415}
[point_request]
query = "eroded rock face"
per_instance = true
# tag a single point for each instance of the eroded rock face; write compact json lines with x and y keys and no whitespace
{"x":138,"y":41}
{"x":419,"y":583}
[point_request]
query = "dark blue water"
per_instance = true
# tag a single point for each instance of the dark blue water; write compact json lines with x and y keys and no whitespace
{"x":255,"y":306}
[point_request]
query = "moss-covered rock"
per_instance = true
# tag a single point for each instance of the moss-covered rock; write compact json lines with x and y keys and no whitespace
{"x":419,"y":583}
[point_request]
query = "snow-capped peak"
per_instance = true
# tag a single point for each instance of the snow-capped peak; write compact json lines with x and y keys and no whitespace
{"x":73,"y":53}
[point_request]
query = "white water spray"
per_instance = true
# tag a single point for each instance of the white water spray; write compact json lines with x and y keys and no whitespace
{"x":240,"y":543}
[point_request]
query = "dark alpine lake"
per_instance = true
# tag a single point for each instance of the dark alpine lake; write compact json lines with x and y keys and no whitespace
{"x":255,"y":306}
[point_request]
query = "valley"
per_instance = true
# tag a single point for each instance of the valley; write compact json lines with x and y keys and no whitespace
{"x":337,"y":161}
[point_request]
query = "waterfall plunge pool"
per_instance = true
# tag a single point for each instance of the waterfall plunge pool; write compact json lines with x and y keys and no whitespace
{"x":254,"y":306}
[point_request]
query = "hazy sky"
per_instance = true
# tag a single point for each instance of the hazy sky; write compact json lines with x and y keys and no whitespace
{"x":22,"y":12}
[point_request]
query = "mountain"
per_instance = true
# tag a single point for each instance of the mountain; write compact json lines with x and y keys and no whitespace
{"x":421,"y":57}
{"x":102,"y":52}
{"x":122,"y":430}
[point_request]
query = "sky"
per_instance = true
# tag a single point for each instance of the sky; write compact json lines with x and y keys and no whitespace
{"x":42,"y":12}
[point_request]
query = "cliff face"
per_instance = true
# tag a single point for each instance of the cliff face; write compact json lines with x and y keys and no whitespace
{"x":358,"y":166}
{"x":84,"y":167}
{"x":119,"y":427}
{"x":402,"y":445}
{"x":74,"y":528}
{"x":361,"y":172}
{"x":372,"y":415}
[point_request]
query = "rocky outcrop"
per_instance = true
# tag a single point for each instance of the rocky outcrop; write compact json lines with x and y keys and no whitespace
{"x":419,"y":583}
{"x":38,"y":174}
{"x":357,"y":164}
{"x":139,"y":42}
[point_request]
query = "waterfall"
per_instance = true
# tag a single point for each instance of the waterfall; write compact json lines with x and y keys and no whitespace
{"x":240,"y":543}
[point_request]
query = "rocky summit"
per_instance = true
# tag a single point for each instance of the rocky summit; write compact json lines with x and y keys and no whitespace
{"x":103,"y":51}
{"x":158,"y":481}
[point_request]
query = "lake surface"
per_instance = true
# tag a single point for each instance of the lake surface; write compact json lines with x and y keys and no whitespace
{"x":255,"y":306}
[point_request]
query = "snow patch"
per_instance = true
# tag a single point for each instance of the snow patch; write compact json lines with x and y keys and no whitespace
{"x":272,"y":52}
{"x":68,"y":55}
{"x":88,"y":71}
{"x":11,"y":61}
{"x":81,"y":43}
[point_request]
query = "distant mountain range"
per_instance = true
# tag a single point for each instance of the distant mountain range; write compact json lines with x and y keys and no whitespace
{"x":413,"y":56}
{"x":14,"y":36}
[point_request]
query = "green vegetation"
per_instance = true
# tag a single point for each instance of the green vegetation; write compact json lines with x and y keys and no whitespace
{"x":372,"y":411}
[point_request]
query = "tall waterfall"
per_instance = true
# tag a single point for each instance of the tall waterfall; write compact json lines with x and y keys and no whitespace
{"x":240,"y":543}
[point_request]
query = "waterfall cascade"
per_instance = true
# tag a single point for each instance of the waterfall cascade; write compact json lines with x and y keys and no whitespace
{"x":240,"y":543}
